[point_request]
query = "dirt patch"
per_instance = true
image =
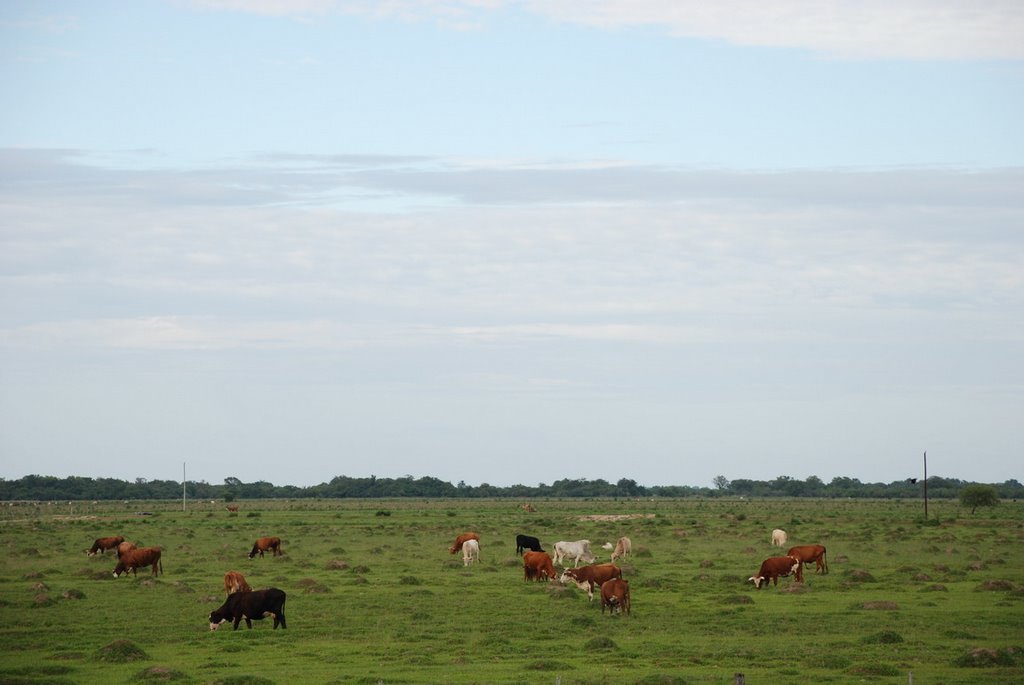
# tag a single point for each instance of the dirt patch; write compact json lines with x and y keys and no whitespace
{"x":615,"y":517}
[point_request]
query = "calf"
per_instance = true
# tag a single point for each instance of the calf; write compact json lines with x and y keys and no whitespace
{"x":527,"y":542}
{"x":590,"y":577}
{"x":263,"y":544}
{"x":774,"y":567}
{"x":623,"y":547}
{"x":470,"y":552}
{"x":103,"y":544}
{"x":252,"y":606}
{"x":461,"y":540}
{"x":536,"y":565}
{"x":134,"y":559}
{"x":615,"y":596}
{"x":779,"y":537}
{"x":235,"y":582}
{"x":580,"y":549}
{"x":809,"y":553}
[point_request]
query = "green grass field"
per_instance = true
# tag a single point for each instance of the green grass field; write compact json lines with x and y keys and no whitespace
{"x":374,"y":597}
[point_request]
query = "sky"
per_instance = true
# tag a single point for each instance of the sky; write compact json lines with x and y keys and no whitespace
{"x":512,"y":241}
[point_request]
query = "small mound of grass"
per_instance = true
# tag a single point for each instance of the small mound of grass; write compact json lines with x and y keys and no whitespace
{"x":874,"y":669}
{"x":738,"y":599}
{"x":860,"y":576}
{"x":885,"y":637}
{"x":73,"y":594}
{"x":336,"y":565}
{"x":410,"y":580}
{"x":984,"y":657}
{"x":161,"y":674}
{"x":244,"y":680}
{"x":935,"y":587}
{"x":547,"y":665}
{"x":880,"y":605}
{"x":661,"y":679}
{"x":121,"y":652}
{"x":43,"y":600}
{"x":601,"y":643}
{"x":996,"y":585}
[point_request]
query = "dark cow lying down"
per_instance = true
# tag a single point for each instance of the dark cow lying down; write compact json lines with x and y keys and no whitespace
{"x":252,"y":606}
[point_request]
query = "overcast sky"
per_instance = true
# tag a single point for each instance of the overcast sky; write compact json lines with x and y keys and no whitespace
{"x":512,"y":241}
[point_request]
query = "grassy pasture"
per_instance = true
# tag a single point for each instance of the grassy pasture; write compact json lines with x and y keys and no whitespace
{"x":373,"y":595}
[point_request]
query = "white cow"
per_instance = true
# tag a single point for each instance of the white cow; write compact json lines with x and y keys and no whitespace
{"x":779,"y":537}
{"x":623,"y":547}
{"x":580,"y":549}
{"x":470,"y":552}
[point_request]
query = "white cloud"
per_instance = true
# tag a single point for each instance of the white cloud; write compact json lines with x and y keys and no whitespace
{"x":862,"y":29}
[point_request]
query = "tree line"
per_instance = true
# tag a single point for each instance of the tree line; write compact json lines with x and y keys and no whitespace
{"x":50,"y":488}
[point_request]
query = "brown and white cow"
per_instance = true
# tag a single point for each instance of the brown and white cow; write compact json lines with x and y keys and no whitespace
{"x":103,"y":544}
{"x":615,"y":596}
{"x":124,"y":547}
{"x":809,"y":553}
{"x":779,"y":537}
{"x":461,"y":540}
{"x":591,"y":577}
{"x":623,"y":547}
{"x":263,"y":544}
{"x":773,"y":567}
{"x":235,"y":582}
{"x":537,"y":565}
{"x":134,"y":559}
{"x":470,"y":552}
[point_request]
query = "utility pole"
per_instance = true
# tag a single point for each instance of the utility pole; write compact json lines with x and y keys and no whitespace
{"x":926,"y":485}
{"x":183,"y":488}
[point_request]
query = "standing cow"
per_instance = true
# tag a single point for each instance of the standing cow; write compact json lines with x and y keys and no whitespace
{"x":461,"y":540}
{"x":623,"y":547}
{"x":774,"y":567}
{"x":779,"y":537}
{"x":251,"y":606}
{"x":235,"y":582}
{"x":470,"y":552}
{"x":809,"y":553}
{"x":590,"y":577}
{"x":527,"y":542}
{"x":580,"y":549}
{"x":615,"y":596}
{"x":101,"y":545}
{"x":134,"y":559}
{"x":537,"y":565}
{"x":263,"y":544}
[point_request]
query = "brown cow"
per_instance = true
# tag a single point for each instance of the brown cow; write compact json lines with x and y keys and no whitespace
{"x":774,"y":567}
{"x":103,"y":544}
{"x":139,"y":558}
{"x":460,"y":540}
{"x":590,"y":577}
{"x":232,"y":507}
{"x":537,"y":564}
{"x":235,"y":582}
{"x":263,"y":544}
{"x":809,"y":553}
{"x":124,"y":547}
{"x":615,"y":595}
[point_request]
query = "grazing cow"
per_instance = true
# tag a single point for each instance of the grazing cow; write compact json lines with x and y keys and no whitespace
{"x":124,"y":547}
{"x":232,"y":507}
{"x":254,"y":605}
{"x":235,"y":582}
{"x":774,"y":567}
{"x":527,"y":542}
{"x":590,"y":577}
{"x":779,"y":537}
{"x":615,"y":595}
{"x":536,"y":565}
{"x":528,"y":507}
{"x":470,"y":552}
{"x":103,"y":544}
{"x":134,"y":559}
{"x":809,"y":553}
{"x":461,"y":540}
{"x":580,"y":549}
{"x":264,"y":544}
{"x":623,"y":547}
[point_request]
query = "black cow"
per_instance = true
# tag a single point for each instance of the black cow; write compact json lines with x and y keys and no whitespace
{"x":527,"y":542}
{"x":252,"y":606}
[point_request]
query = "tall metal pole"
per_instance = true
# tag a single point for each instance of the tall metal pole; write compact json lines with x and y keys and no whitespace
{"x":183,"y":488}
{"x":926,"y":485}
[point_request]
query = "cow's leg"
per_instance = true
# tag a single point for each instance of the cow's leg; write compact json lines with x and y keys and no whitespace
{"x":238,"y":619}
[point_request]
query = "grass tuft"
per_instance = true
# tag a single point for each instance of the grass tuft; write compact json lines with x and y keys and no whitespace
{"x":121,"y":651}
{"x":983,"y":657}
{"x":161,"y":674}
{"x":885,"y":637}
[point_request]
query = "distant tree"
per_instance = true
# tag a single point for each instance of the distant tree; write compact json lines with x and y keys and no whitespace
{"x":975,"y":496}
{"x":721,"y":482}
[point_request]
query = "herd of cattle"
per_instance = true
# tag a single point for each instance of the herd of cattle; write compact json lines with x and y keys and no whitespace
{"x":606,"y":579}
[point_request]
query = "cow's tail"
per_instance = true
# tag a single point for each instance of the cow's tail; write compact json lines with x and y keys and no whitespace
{"x":824,"y":561}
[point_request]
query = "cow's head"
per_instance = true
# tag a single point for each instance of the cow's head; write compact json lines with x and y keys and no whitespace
{"x":119,"y":569}
{"x":216,"y":618}
{"x":757,"y":581}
